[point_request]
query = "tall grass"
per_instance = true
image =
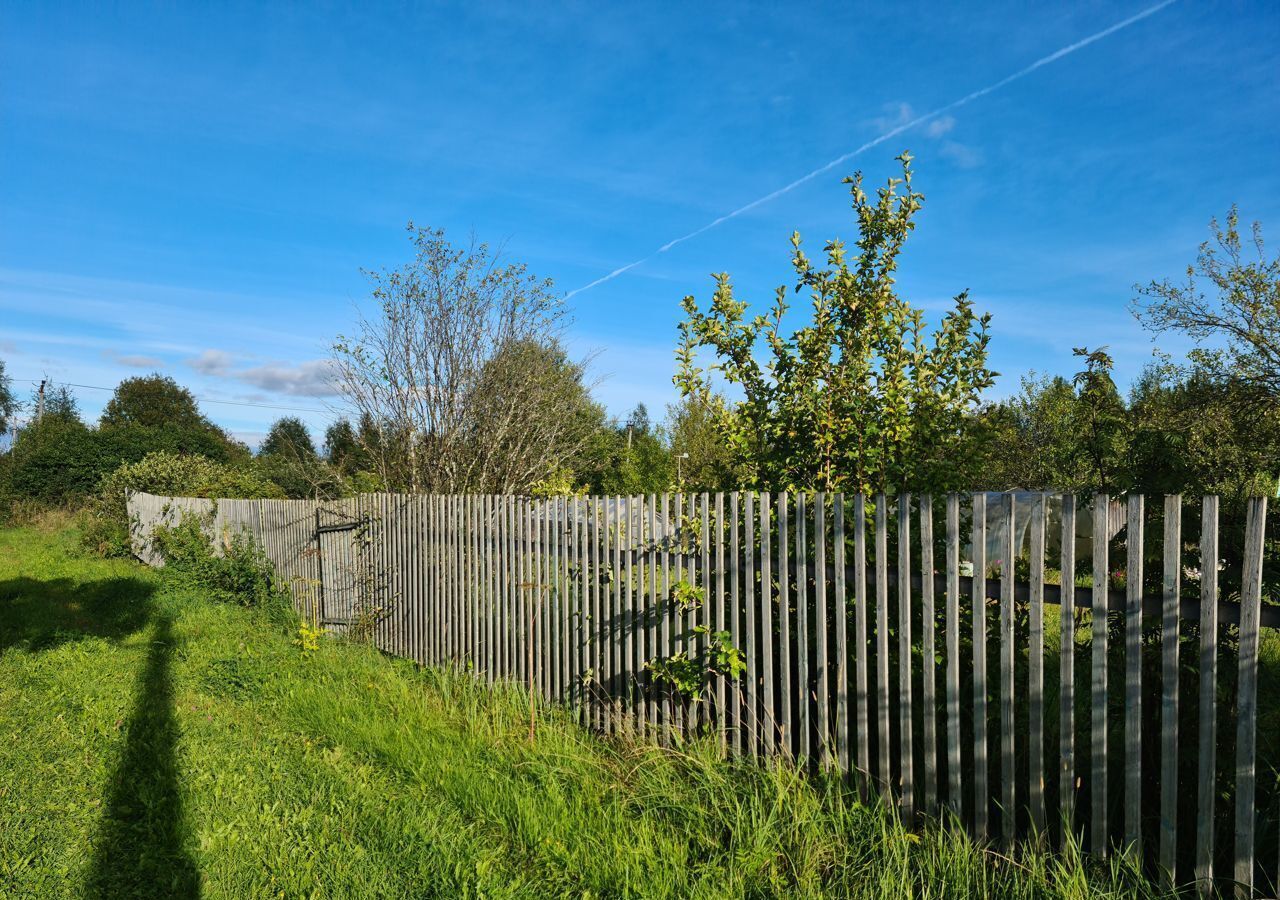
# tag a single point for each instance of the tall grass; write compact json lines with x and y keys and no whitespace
{"x":156,"y":743}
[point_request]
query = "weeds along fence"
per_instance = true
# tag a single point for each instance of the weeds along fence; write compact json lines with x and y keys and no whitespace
{"x":933,"y":651}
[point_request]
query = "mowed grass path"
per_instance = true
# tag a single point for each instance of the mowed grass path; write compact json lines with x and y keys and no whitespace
{"x":154,"y":743}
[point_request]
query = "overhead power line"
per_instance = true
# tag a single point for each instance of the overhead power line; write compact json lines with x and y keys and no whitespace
{"x":98,"y":387}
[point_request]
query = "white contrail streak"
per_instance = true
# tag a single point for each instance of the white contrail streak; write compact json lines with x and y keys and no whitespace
{"x":888,"y":135}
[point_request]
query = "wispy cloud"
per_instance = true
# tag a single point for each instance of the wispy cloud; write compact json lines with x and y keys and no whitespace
{"x":314,"y":378}
{"x":885,"y":136}
{"x":940,"y":126}
{"x":215,"y":363}
{"x":310,"y":378}
{"x":962,"y":155}
{"x":133,"y":361}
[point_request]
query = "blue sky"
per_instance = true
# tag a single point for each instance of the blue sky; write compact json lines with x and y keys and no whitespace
{"x":195,"y":190}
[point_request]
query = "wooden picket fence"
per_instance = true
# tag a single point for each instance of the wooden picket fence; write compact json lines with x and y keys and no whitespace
{"x":870,"y":641}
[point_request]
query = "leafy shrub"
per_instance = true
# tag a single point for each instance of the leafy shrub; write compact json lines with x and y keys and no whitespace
{"x":235,"y":571}
{"x":56,"y":461}
{"x":105,"y":526}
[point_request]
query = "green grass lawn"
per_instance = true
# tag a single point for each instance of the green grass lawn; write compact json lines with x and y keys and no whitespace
{"x":155,"y":743}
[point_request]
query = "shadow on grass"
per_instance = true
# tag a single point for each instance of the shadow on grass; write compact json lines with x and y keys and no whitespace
{"x":38,"y":615}
{"x":141,"y":846}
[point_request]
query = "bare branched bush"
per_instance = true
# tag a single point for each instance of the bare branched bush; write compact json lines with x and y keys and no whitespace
{"x":460,"y":371}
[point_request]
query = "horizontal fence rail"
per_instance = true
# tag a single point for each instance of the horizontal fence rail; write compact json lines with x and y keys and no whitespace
{"x":919,"y":646}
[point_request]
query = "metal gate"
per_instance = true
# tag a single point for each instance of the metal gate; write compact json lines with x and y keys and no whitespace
{"x":341,"y":536}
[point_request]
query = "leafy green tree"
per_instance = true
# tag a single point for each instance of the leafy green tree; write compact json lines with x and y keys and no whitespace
{"x":627,"y":458}
{"x":1195,"y":434}
{"x":57,"y":459}
{"x":1030,"y":440}
{"x":289,"y":437}
{"x":59,"y":404}
{"x":151,"y":413}
{"x":1229,"y":304}
{"x":289,"y":458}
{"x":1101,"y":422}
{"x":860,"y":398}
{"x":153,"y":401}
{"x":8,"y":402}
{"x":532,"y":418}
{"x":342,"y":448}
{"x":700,"y":460}
{"x":460,"y":371}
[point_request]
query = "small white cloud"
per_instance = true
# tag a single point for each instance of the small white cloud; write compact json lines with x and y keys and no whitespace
{"x":940,"y":126}
{"x":895,"y":116}
{"x":962,"y":155}
{"x":314,"y":378}
{"x":135,"y":362}
{"x":212,"y":362}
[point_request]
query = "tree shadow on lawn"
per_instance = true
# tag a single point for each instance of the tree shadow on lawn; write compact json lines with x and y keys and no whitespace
{"x":39,"y":615}
{"x":141,"y":850}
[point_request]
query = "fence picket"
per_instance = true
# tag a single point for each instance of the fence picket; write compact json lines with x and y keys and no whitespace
{"x":882,"y":646}
{"x":786,"y":726}
{"x":842,"y":639}
{"x":799,"y":560}
{"x":955,"y":783}
{"x":860,"y":647}
{"x":905,"y":743}
{"x":1208,"y":768}
{"x":769,"y":717}
{"x":1098,"y":662}
{"x":820,"y":681}
{"x":1066,"y":671}
{"x":981,"y":797}
{"x":1009,"y":553}
{"x":1035,"y":665}
{"x":748,"y":709}
{"x":1247,"y":694}
{"x":1169,"y":637}
{"x":1134,"y":544}
{"x":725,"y":599}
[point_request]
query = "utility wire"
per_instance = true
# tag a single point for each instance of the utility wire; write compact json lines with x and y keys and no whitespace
{"x":97,"y":387}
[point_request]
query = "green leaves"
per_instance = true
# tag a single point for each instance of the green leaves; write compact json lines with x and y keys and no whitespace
{"x":860,"y":398}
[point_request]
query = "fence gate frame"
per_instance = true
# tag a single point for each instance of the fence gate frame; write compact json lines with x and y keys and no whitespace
{"x":328,"y":617}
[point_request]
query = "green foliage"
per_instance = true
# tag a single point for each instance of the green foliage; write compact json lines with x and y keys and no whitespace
{"x":106,"y":522}
{"x":1193,"y":434}
{"x":289,"y":458}
{"x":627,"y":458}
{"x":721,"y":654}
{"x":687,"y":674}
{"x":153,"y":401}
{"x":700,"y":459}
{"x":56,"y":460}
{"x":860,"y":398}
{"x":1100,"y":422}
{"x":288,"y":437}
{"x":8,"y":402}
{"x":1236,"y":323}
{"x":232,"y":570}
{"x":686,"y":596}
{"x":682,"y":673}
{"x":343,"y":451}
